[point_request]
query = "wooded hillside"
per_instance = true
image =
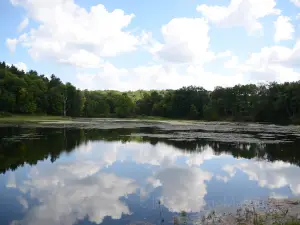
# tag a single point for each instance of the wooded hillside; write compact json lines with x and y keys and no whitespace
{"x":31,"y":93}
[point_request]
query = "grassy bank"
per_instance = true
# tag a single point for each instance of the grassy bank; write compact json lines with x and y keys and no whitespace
{"x":270,"y":212}
{"x":37,"y":118}
{"x":30,"y":118}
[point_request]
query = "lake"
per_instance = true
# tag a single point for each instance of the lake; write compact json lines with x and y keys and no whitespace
{"x":133,"y":172}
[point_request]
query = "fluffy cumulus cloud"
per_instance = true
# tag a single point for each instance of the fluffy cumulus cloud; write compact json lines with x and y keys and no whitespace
{"x":232,"y":63}
{"x":183,"y":188}
{"x":72,"y":34}
{"x":158,"y":76}
{"x":296,"y":2}
{"x":275,"y":63}
{"x":243,"y":13}
{"x":271,"y":175}
{"x":159,"y":155}
{"x":19,"y":65}
{"x":186,"y":40}
{"x":167,"y":156}
{"x":276,"y":55}
{"x":11,"y":181}
{"x":284,"y":29}
{"x":69,"y":192}
{"x":23,"y":202}
{"x":222,"y":178}
{"x":23,"y":24}
{"x":83,"y":59}
{"x":11,"y":44}
{"x":179,"y":55}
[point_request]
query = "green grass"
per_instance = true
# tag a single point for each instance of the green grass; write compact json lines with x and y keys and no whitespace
{"x":293,"y":223}
{"x":36,"y":118}
{"x":30,"y":118}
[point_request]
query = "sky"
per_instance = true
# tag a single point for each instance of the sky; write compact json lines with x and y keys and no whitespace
{"x":134,"y":44}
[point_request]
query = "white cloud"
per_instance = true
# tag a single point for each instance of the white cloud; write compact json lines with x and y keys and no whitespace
{"x":88,"y":38}
{"x":23,"y":24}
{"x":11,"y":44}
{"x":269,"y":55}
{"x":274,"y":73}
{"x":296,"y":2}
{"x":155,"y":77}
{"x":275,"y":63}
{"x":186,"y":40}
{"x":78,"y":189}
{"x":150,"y":44}
{"x":196,"y":159}
{"x":23,"y":202}
{"x":83,"y":59}
{"x":225,"y":54}
{"x":242,"y":13}
{"x":85,"y":148}
{"x":183,"y":188}
{"x":11,"y":181}
{"x":271,"y":175}
{"x":67,"y":196}
{"x":222,"y":178}
{"x":164,"y":155}
{"x":21,"y":66}
{"x":284,"y":29}
{"x":232,"y":63}
{"x":298,"y":16}
{"x":81,"y":169}
{"x":159,"y":155}
{"x":92,"y":34}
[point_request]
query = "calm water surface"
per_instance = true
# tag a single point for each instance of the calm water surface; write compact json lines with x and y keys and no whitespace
{"x":54,"y":176}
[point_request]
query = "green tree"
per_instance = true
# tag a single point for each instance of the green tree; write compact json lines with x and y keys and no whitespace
{"x":30,"y":93}
{"x":124,"y":107}
{"x":27,"y":103}
{"x":193,"y":112}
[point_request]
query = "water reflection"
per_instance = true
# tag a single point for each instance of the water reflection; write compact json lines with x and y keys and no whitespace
{"x":271,"y":175}
{"x":110,"y":177}
{"x":183,"y":189}
{"x":66,"y":195}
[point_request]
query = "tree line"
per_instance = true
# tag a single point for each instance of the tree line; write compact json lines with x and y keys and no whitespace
{"x":31,"y":93}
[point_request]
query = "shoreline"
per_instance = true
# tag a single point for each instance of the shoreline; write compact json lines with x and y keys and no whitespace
{"x":45,"y":118}
{"x":271,"y":211}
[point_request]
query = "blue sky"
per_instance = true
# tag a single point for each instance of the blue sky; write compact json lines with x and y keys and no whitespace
{"x":128,"y":45}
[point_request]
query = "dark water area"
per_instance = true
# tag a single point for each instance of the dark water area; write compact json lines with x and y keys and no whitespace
{"x":144,"y":175}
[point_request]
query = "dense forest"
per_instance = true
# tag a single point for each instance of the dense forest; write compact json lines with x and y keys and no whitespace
{"x":32,"y":93}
